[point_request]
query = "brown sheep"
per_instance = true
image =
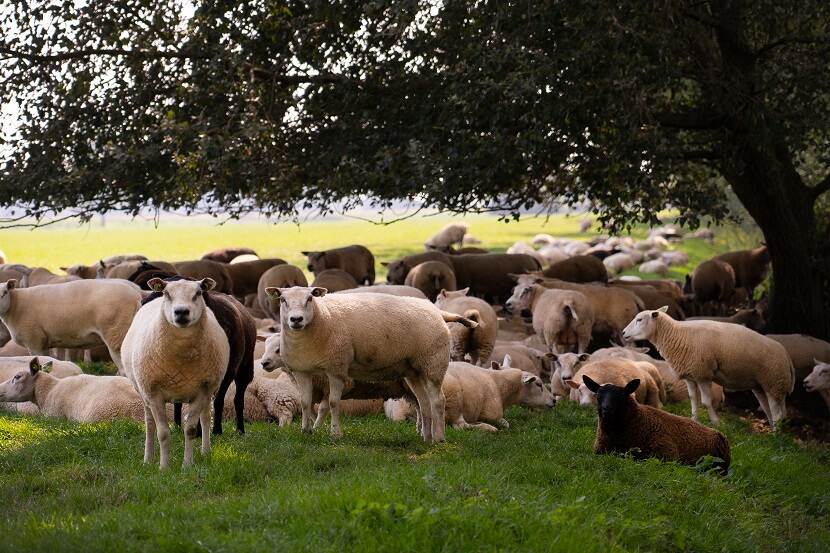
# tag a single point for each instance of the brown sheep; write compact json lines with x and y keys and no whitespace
{"x":279,"y":276}
{"x":626,"y":426}
{"x":397,"y":270}
{"x":713,"y":281}
{"x":750,"y":318}
{"x":356,"y":260}
{"x":655,"y":299}
{"x":204,"y":268}
{"x":245,"y":276}
{"x":124,"y":269}
{"x":226,"y":255}
{"x":40,"y":276}
{"x":580,"y":268}
{"x":334,"y":280}
{"x":488,"y":275}
{"x":750,"y":266}
{"x":670,"y":288}
{"x":431,"y":277}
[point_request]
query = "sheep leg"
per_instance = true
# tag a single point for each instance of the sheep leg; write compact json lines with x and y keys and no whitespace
{"x":204,"y":419}
{"x":219,"y":404}
{"x":238,"y":405}
{"x":149,"y":435}
{"x":305,"y":386}
{"x":116,"y":358}
{"x":336,"y":385}
{"x":437,"y":405}
{"x":761,"y":396}
{"x":322,"y":412}
{"x":502,"y":423}
{"x":159,"y":412}
{"x":177,"y":413}
{"x":424,"y":407}
{"x":705,"y":388}
{"x":777,"y":409}
{"x":194,"y":412}
{"x":693,"y":396}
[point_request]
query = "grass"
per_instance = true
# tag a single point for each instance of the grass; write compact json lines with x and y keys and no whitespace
{"x":534,"y":487}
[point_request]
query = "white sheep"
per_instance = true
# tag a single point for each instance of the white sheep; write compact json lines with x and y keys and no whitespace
{"x":391,"y":289}
{"x":478,"y":342}
{"x":175,"y":350}
{"x":819,"y":381}
{"x":80,"y":398}
{"x":77,"y":314}
{"x":574,"y":248}
{"x":10,"y":366}
{"x":451,"y":234}
{"x":675,"y":258}
{"x":525,"y":248}
{"x":618,"y":262}
{"x":735,"y":357}
{"x":269,"y":396}
{"x":552,"y":254}
{"x":542,"y":239}
{"x":657,"y":266}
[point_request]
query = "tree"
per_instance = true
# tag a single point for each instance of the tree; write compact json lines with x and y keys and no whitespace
{"x":273,"y":106}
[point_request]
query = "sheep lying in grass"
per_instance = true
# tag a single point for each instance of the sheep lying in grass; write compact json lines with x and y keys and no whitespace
{"x":626,"y":426}
{"x":267,"y":398}
{"x":175,"y":350}
{"x":80,"y":398}
{"x":78,"y":314}
{"x":10,"y":366}
{"x":478,"y":342}
{"x":735,"y":357}
{"x":819,"y":381}
{"x":618,"y":371}
{"x":522,"y":357}
{"x":370,"y":337}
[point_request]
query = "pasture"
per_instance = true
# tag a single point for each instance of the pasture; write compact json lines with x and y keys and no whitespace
{"x":536,"y":486}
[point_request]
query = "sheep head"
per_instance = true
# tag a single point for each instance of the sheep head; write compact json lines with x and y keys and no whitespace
{"x":643,"y":326}
{"x":183,"y":302}
{"x":296,"y":304}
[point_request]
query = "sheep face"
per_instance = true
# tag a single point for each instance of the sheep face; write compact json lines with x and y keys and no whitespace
{"x":612,"y":401}
{"x":567,"y":365}
{"x":296,"y":305}
{"x":183,"y":300}
{"x":643,"y":325}
{"x":21,"y":387}
{"x":396,"y":272}
{"x":819,"y":379}
{"x":5,"y":295}
{"x":271,"y":356}
{"x":522,"y":297}
{"x":534,"y":393}
{"x":316,"y":261}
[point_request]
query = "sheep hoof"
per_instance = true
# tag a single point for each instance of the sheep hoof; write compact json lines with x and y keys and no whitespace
{"x":336,"y":434}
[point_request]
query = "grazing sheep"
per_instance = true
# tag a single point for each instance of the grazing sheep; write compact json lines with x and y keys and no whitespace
{"x":279,"y":276}
{"x":478,"y":342}
{"x":614,"y":370}
{"x":365,"y":337}
{"x":626,"y":426}
{"x":675,"y":258}
{"x":245,"y":275}
{"x":618,"y":262}
{"x":563,"y":318}
{"x":391,"y":289}
{"x":240,"y":331}
{"x":356,"y":260}
{"x":77,"y":314}
{"x":226,"y":255}
{"x":477,"y":397}
{"x":819,"y":381}
{"x":40,"y":276}
{"x":656,"y":266}
{"x":451,"y":234}
{"x":580,"y":268}
{"x":750,"y":266}
{"x":803,"y":351}
{"x":488,"y":275}
{"x":431,"y":277}
{"x":735,"y":357}
{"x":334,"y":280}
{"x":80,"y":398}
{"x":399,"y":269}
{"x":175,"y":351}
{"x":750,"y":318}
{"x":713,"y":281}
{"x":204,"y":268}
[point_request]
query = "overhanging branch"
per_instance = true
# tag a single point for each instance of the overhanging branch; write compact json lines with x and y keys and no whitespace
{"x":90,"y":52}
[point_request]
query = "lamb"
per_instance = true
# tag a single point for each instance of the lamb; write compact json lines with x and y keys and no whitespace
{"x":334,"y":280}
{"x":735,"y":357}
{"x":356,"y":260}
{"x":451,"y":234}
{"x":366,"y":337}
{"x":279,"y":276}
{"x":614,"y":371}
{"x":656,"y":266}
{"x":226,"y":255}
{"x":398,"y":270}
{"x":488,"y":275}
{"x":478,"y":342}
{"x":240,"y":331}
{"x":750,"y":318}
{"x":626,"y":426}
{"x":750,"y":266}
{"x":580,"y":268}
{"x":391,"y":289}
{"x":77,"y":314}
{"x":477,"y":397}
{"x":80,"y":398}
{"x":819,"y":381}
{"x":175,"y":350}
{"x":563,"y":318}
{"x":565,"y":367}
{"x":245,"y":275}
{"x":431,"y":277}
{"x":40,"y":276}
{"x":204,"y":268}
{"x":713,"y":281}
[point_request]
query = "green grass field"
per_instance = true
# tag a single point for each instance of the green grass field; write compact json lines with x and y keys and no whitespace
{"x":534,"y":487}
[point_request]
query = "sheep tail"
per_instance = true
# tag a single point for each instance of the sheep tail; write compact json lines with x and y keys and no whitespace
{"x":454,"y":318}
{"x":569,"y":312}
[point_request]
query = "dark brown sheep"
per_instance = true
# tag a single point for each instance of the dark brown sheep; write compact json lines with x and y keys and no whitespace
{"x":245,"y":275}
{"x":579,"y":268}
{"x":146,"y":272}
{"x":626,"y":426}
{"x":488,"y":275}
{"x":204,"y":268}
{"x":430,"y":277}
{"x":667,"y":287}
{"x":397,"y":270}
{"x":713,"y":281}
{"x":335,"y":280}
{"x":654,"y":299}
{"x":356,"y":260}
{"x":750,"y":266}
{"x":226,"y":255}
{"x":240,"y":329}
{"x":280,"y":276}
{"x":750,"y":318}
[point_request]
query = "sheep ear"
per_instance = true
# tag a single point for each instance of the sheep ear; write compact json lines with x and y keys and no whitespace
{"x":261,"y":338}
{"x":384,"y":263}
{"x":495,"y":365}
{"x":442,"y":293}
{"x":306,"y":253}
{"x":654,"y":314}
{"x":11,"y":284}
{"x":584,"y":356}
{"x":590,"y":384}
{"x":156,"y":284}
{"x":527,"y":378}
{"x":632,"y":386}
{"x":538,"y":281}
{"x":64,"y":269}
{"x":102,"y":264}
{"x":465,"y":290}
{"x":573,"y":384}
{"x":207,"y":284}
{"x":318,"y":292}
{"x":34,"y":365}
{"x":47,"y":367}
{"x":273,"y":292}
{"x":663,"y":309}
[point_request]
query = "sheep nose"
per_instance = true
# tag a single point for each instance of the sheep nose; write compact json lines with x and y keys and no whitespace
{"x":265,"y":363}
{"x":181,"y":312}
{"x":296,"y":319}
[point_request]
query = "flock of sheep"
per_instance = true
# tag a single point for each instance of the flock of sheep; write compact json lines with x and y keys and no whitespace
{"x":456,"y":336}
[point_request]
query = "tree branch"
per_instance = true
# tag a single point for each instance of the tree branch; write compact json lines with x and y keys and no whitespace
{"x":89,"y":52}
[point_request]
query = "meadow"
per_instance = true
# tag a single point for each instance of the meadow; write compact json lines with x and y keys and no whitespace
{"x":534,"y":487}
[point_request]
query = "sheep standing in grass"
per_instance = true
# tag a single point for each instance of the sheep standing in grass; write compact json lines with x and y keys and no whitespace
{"x":374,"y":337}
{"x":77,"y":314}
{"x":626,"y":426}
{"x":448,"y":236}
{"x":478,"y":342}
{"x":430,"y":277}
{"x":735,"y":357}
{"x":176,"y":350}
